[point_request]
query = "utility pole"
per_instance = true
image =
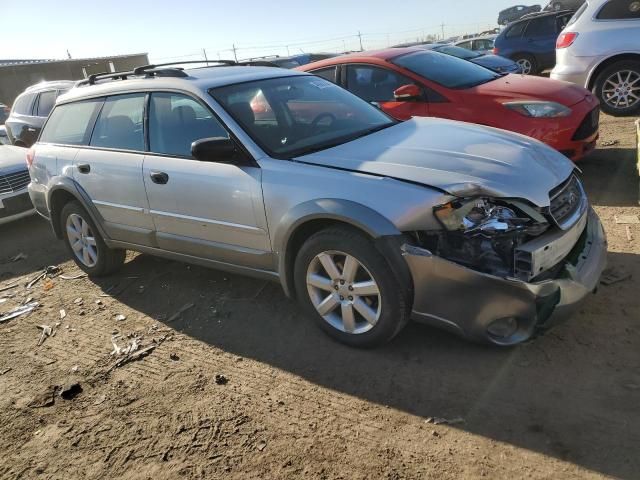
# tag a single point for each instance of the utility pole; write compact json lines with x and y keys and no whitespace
{"x":288,"y":54}
{"x":442,"y":26}
{"x":204,"y":52}
{"x":235,"y":55}
{"x":360,"y":37}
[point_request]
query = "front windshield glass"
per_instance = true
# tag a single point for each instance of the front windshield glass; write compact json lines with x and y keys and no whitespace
{"x":458,"y":52}
{"x":448,"y":71}
{"x":296,"y":115}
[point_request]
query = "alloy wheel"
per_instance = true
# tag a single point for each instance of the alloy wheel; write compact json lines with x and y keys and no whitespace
{"x":82,"y":241}
{"x":525,"y":66}
{"x":622,"y":89}
{"x":344,"y":292}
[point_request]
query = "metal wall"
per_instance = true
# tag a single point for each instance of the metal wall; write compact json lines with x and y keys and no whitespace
{"x":15,"y":78}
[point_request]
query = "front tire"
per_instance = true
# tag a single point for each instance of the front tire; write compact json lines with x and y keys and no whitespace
{"x":618,"y":88}
{"x":349,"y":289}
{"x":85,"y":244}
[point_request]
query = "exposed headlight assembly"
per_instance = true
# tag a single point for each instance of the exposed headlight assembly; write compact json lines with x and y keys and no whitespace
{"x":538,"y":109}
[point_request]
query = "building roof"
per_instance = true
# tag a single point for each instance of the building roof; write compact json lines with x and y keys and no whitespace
{"x":13,"y":62}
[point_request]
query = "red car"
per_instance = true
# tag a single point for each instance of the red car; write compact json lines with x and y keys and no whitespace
{"x":408,"y":82}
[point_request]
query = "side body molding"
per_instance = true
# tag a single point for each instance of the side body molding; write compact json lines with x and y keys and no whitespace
{"x":327,"y":209}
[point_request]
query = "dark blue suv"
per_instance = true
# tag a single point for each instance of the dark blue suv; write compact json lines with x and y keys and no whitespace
{"x":531,"y":41}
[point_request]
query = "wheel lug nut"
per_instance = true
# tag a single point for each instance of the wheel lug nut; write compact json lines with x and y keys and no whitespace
{"x":335,"y":287}
{"x":341,"y":282}
{"x":350,"y":298}
{"x":341,"y":297}
{"x":351,"y":288}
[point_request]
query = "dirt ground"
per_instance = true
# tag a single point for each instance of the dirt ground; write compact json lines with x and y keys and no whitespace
{"x":296,"y":404}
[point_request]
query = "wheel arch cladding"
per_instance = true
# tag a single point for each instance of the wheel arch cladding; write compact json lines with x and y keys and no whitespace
{"x":305,"y":219}
{"x":622,"y":57}
{"x":63,"y":191}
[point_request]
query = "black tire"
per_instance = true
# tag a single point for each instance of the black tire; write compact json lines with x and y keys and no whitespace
{"x":599,"y":86}
{"x":522,"y":58}
{"x":108,"y":260}
{"x":394,"y":294}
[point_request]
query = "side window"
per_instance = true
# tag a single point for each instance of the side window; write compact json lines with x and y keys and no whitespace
{"x":46,"y":101}
{"x":620,"y":10}
{"x":22,"y":106}
{"x":374,"y":84}
{"x":71,"y":123}
{"x":327,"y":73}
{"x":120,"y":123}
{"x":516,"y":30}
{"x":541,"y":27}
{"x":466,"y":45}
{"x":176,"y":121}
{"x":484,"y":44}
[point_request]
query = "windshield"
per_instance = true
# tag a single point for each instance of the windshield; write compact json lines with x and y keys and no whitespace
{"x":458,"y":52}
{"x":296,"y":115}
{"x":448,"y":71}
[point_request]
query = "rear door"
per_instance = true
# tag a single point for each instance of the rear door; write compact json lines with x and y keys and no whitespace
{"x":203,"y":209}
{"x":376,"y":85}
{"x":110,"y":169}
{"x":540,"y":36}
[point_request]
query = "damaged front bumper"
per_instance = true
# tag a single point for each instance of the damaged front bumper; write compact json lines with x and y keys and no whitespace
{"x":504,"y":311}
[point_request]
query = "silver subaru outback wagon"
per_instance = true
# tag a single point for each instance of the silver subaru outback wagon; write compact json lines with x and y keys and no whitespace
{"x":367,"y":221}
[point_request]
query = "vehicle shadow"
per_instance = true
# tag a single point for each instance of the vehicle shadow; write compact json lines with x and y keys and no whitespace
{"x":610,"y":177}
{"x":571,"y":394}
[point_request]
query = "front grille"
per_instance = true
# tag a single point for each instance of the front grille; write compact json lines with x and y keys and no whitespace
{"x":566,"y":201}
{"x":589,"y":125}
{"x":12,"y":182}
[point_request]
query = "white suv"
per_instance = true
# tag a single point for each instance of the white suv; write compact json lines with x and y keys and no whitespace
{"x":600,"y":50}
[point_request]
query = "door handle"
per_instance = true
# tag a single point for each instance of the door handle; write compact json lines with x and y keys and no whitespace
{"x":84,"y":168}
{"x":161,"y":178}
{"x":31,"y":129}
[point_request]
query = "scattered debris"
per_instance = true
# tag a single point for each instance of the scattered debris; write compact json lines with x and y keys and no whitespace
{"x":63,"y":313}
{"x":8,"y":287}
{"x":444,"y":421}
{"x":628,"y":230}
{"x":48,"y":285}
{"x":626,"y":219}
{"x":71,"y":391}
{"x":131,"y":347}
{"x":78,"y":301}
{"x":100,"y":399}
{"x":47,"y":331}
{"x":51,"y":271}
{"x":614,"y":275}
{"x":44,"y":399}
{"x":137,"y":355}
{"x":74,"y":369}
{"x":18,"y":257}
{"x":261,"y":445}
{"x":21,"y":310}
{"x":2,"y":300}
{"x":179,"y":313}
{"x":99,"y":302}
{"x":6,"y":370}
{"x":221,"y":379}
{"x":74,"y":277}
{"x":174,"y":356}
{"x":609,"y":143}
{"x":120,"y":317}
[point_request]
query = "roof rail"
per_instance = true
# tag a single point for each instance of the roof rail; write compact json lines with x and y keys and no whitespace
{"x":145,"y":68}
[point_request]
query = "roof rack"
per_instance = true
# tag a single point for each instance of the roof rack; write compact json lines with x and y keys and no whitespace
{"x":158,"y":70}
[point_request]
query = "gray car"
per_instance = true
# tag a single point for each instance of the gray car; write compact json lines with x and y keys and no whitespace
{"x":600,"y":50}
{"x":283,"y":175}
{"x":14,"y":178}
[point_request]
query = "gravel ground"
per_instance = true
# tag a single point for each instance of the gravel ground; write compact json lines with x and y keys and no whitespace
{"x":241,"y":385}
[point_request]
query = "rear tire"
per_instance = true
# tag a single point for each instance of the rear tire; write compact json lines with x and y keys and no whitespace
{"x":527,"y":63}
{"x":616,"y":87}
{"x":84,"y":243}
{"x":361,"y":303}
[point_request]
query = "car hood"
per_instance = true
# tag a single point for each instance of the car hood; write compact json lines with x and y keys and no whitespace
{"x":524,"y":87}
{"x":12,"y":159}
{"x":459,"y":158}
{"x":493,"y":61}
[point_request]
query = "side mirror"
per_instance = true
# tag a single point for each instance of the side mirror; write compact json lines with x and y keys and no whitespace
{"x":406,"y":93}
{"x":215,"y":149}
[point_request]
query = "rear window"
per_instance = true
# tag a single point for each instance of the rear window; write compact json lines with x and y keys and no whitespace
{"x":620,"y":10}
{"x":71,"y":124}
{"x":22,"y":105}
{"x":516,"y":30}
{"x":448,"y":71}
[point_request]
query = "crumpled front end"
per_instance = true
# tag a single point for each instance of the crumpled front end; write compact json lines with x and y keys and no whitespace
{"x":505,"y":310}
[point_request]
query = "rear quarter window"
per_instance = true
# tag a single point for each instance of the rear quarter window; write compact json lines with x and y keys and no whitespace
{"x":516,"y":30}
{"x":23,"y":104}
{"x":71,"y":123}
{"x":620,"y":10}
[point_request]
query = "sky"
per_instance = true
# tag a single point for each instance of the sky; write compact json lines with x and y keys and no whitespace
{"x":181,"y":29}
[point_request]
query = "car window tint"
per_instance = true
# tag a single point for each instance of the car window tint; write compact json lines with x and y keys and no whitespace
{"x":516,"y":30}
{"x":620,"y":10}
{"x":71,"y":124}
{"x":22,"y":105}
{"x":541,"y":27}
{"x":374,"y":84}
{"x":327,"y":73}
{"x":483,"y":44}
{"x":46,"y":101}
{"x":466,"y":45}
{"x":176,"y":121}
{"x":120,"y":123}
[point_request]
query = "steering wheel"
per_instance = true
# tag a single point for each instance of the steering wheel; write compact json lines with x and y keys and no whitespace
{"x":316,"y":121}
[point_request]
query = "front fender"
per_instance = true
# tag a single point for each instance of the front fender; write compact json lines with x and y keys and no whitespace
{"x":330,"y":209}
